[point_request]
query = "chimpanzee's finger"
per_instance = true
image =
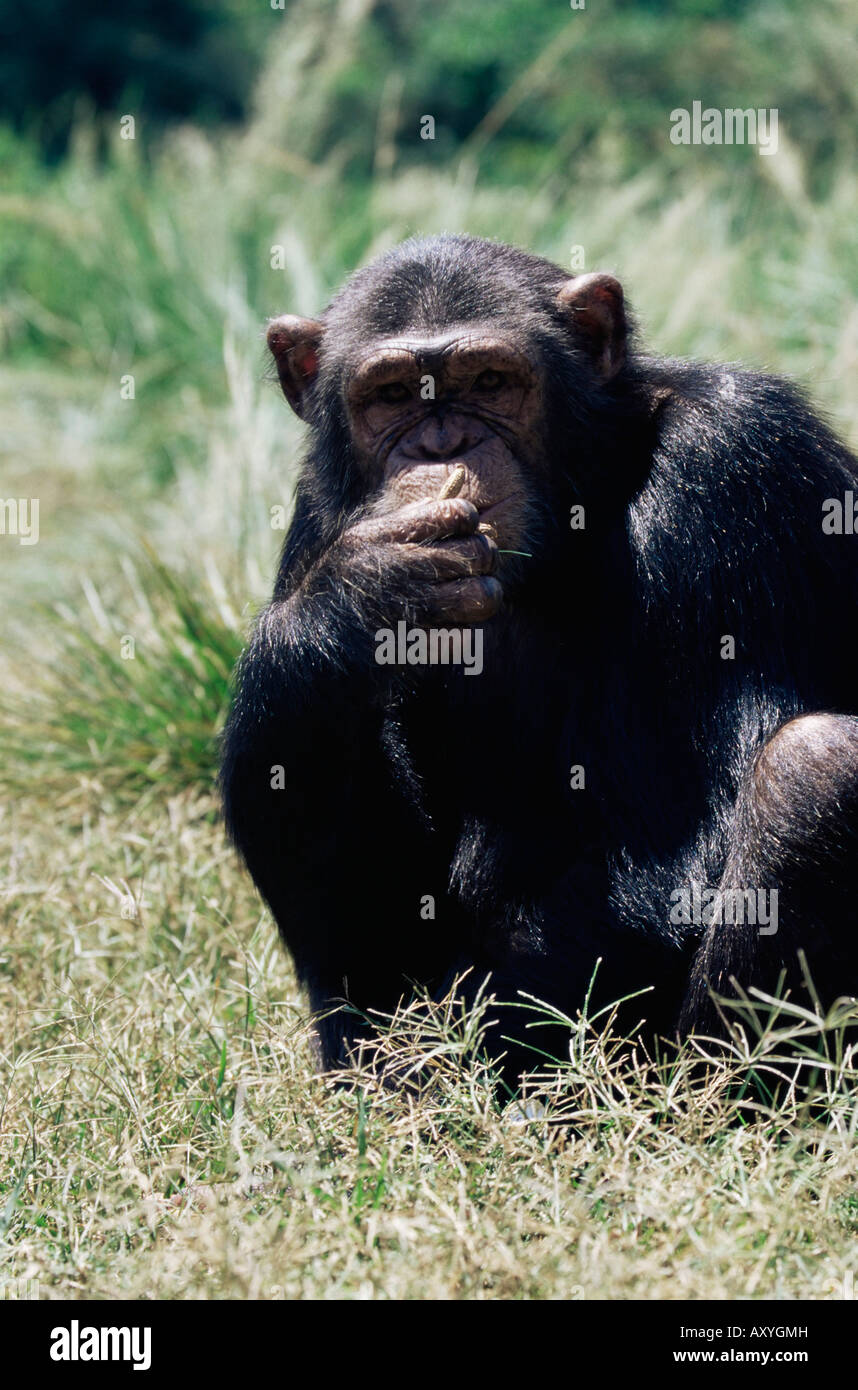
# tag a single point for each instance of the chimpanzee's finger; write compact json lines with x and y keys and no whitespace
{"x":466,"y":600}
{"x":423,"y":521}
{"x":450,"y":559}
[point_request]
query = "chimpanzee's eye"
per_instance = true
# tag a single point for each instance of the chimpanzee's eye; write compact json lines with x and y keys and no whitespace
{"x":393,"y":392}
{"x":488,"y":381}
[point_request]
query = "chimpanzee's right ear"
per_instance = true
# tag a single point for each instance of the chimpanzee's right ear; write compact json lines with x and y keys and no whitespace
{"x":295,"y":344}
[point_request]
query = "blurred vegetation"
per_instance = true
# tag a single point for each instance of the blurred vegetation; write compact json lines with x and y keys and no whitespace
{"x":530,"y":85}
{"x":127,"y":705}
{"x":164,"y":59}
{"x":160,"y":257}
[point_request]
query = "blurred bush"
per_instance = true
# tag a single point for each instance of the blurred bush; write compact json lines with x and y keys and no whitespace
{"x":165,"y":58}
{"x":533,"y":85}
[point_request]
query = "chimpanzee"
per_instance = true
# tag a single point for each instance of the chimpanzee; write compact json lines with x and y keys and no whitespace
{"x":559,"y":664}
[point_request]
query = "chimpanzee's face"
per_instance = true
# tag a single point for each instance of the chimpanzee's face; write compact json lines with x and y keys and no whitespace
{"x":437,"y":371}
{"x":465,"y":401}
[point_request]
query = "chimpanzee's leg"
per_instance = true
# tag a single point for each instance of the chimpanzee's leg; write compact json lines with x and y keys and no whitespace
{"x":796,"y":832}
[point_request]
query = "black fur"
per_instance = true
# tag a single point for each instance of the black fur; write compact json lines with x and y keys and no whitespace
{"x":703,"y":489}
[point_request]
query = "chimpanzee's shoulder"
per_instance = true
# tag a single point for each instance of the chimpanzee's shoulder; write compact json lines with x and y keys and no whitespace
{"x":718,"y":386}
{"x":740,"y":413}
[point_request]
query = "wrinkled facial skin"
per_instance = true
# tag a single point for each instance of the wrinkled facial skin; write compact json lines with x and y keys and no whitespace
{"x":420,"y":407}
{"x":452,"y":411}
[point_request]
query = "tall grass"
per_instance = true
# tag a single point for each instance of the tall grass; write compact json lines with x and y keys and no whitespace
{"x":125,"y":706}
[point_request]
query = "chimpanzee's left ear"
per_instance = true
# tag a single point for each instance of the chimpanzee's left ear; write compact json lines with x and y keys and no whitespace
{"x":593,"y":305}
{"x":295,"y":344}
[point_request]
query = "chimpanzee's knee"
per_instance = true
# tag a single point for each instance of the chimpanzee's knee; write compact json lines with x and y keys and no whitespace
{"x":795,"y":835}
{"x":803,"y":788}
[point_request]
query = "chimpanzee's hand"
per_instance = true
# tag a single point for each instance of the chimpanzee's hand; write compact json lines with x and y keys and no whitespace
{"x":430,"y":555}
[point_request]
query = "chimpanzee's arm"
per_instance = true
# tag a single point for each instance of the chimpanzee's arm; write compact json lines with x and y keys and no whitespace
{"x":318,"y":793}
{"x":745,"y":590}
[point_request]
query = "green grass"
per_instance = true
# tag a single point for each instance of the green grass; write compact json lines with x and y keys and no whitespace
{"x":125,"y":707}
{"x":161,"y":1131}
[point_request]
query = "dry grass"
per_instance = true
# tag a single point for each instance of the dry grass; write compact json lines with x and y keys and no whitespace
{"x":163,"y":1135}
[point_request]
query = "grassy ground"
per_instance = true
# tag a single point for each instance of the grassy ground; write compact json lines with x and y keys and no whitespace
{"x":161,"y":1132}
{"x":163,"y":1135}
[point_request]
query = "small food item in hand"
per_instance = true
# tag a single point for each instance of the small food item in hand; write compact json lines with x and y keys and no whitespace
{"x":453,"y":485}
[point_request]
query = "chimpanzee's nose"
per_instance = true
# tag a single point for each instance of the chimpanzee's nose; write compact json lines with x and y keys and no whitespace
{"x":441,"y":437}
